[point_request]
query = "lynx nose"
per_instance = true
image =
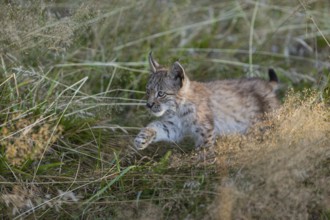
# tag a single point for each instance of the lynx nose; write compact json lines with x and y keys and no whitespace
{"x":150,"y":105}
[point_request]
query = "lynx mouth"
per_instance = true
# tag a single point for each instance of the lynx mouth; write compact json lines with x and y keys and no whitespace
{"x":158,"y":114}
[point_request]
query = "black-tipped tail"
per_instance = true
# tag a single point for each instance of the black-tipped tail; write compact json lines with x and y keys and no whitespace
{"x":272,"y":75}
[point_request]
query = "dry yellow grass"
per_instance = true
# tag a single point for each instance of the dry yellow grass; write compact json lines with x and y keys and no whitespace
{"x":27,"y":198}
{"x":280,"y":170}
{"x":27,"y":138}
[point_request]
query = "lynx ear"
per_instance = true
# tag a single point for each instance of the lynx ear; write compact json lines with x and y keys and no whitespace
{"x":152,"y":63}
{"x":177,"y":72}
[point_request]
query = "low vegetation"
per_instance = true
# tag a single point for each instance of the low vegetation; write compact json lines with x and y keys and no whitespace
{"x":72,"y":78}
{"x":281,"y":168}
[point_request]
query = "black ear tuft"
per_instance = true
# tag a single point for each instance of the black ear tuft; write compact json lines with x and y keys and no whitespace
{"x":272,"y":75}
{"x":152,"y":63}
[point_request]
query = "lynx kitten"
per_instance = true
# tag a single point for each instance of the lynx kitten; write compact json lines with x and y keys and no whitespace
{"x":202,"y":110}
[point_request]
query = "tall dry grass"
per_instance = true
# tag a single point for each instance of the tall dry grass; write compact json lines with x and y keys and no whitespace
{"x":280,"y":170}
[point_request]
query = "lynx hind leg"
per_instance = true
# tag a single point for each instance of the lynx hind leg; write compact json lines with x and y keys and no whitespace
{"x":144,"y":138}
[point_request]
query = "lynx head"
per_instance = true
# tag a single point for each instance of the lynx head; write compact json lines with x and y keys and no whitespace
{"x":163,"y":87}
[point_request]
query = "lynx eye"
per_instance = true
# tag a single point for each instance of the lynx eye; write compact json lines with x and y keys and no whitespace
{"x":161,"y":94}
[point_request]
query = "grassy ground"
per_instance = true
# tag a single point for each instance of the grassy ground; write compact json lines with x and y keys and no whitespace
{"x":72,"y":78}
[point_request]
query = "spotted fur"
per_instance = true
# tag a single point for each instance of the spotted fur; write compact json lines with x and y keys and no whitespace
{"x":202,"y":110}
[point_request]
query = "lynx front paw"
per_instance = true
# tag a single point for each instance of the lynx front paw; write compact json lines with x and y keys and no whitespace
{"x":144,"y":138}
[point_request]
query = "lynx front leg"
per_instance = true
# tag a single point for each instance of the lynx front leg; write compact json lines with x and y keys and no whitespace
{"x":144,"y":138}
{"x":204,"y":137}
{"x":205,"y":147}
{"x":204,"y":141}
{"x":156,"y":131}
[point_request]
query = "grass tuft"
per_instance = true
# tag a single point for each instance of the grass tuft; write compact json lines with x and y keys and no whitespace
{"x":281,"y":168}
{"x":24,"y":138}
